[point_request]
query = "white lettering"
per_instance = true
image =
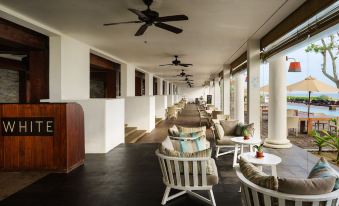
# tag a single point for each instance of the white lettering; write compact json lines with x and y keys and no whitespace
{"x":49,"y":126}
{"x":39,"y":125}
{"x":9,"y":126}
{"x":23,"y":126}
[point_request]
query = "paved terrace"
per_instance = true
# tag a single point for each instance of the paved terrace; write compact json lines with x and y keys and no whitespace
{"x":130,"y":175}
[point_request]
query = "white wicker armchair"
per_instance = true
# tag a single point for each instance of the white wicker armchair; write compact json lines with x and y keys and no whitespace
{"x":251,"y":193}
{"x":173,"y":178}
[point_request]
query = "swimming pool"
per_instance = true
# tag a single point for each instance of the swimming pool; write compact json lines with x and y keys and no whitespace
{"x":314,"y":109}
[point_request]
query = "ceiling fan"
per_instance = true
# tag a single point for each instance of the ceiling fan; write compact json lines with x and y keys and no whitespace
{"x":176,"y":62}
{"x":150,"y":17}
{"x":183,"y":74}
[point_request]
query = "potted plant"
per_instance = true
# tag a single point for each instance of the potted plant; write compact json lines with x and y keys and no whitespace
{"x":247,"y":134}
{"x":260,"y":150}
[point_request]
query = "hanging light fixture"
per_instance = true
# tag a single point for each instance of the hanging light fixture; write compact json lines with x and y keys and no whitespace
{"x":294,"y":65}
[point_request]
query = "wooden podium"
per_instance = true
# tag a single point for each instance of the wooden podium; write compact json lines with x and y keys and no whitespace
{"x":46,"y":136}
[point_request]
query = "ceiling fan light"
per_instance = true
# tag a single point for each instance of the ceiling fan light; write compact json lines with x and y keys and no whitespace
{"x":294,"y":67}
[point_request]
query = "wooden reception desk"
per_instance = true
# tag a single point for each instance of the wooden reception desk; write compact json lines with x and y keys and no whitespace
{"x":47,"y":136}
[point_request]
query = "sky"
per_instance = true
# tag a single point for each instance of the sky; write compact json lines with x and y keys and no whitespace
{"x":310,"y":65}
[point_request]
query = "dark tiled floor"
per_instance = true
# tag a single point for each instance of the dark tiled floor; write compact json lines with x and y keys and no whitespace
{"x":130,"y":175}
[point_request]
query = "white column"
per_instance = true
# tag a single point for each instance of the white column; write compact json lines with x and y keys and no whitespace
{"x":277,"y":106}
{"x":159,"y":85}
{"x":148,"y":84}
{"x":217,"y":99}
{"x":171,"y":88}
{"x":69,"y":69}
{"x":253,"y":84}
{"x":239,"y":97}
{"x":227,"y":90}
{"x":127,"y":80}
{"x":211,"y":91}
{"x":166,"y":88}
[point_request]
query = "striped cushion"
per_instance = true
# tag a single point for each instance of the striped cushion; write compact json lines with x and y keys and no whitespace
{"x":188,"y":130}
{"x":173,"y":131}
{"x":203,"y":153}
{"x":191,"y":146}
{"x":255,"y":175}
{"x":323,"y":169}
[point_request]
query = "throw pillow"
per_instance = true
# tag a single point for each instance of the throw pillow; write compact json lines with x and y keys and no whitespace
{"x":191,"y":129}
{"x":229,"y":127}
{"x":188,"y":145}
{"x":173,"y":131}
{"x":239,"y":129}
{"x":255,"y":175}
{"x":167,"y":144}
{"x":313,"y":186}
{"x":323,"y":169}
{"x":203,"y":153}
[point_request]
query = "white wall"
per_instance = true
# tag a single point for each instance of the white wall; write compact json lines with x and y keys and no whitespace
{"x":160,"y":106}
{"x":140,"y":112}
{"x":69,"y":69}
{"x":194,"y":92}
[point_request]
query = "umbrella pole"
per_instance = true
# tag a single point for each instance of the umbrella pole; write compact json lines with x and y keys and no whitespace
{"x":308,"y":111}
{"x":309,"y":104}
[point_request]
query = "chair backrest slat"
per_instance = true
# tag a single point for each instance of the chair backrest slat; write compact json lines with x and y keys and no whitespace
{"x":329,"y":203}
{"x":203,"y":173}
{"x":170,"y":171}
{"x":177,"y":172}
{"x":316,"y":203}
{"x":247,"y":195}
{"x":298,"y":203}
{"x":267,"y":200}
{"x":281,"y":202}
{"x":186,"y":173}
{"x":164,"y":170}
{"x":195,"y":173}
{"x":255,"y":198}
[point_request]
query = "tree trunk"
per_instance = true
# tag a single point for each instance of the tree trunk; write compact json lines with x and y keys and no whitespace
{"x":320,"y":150}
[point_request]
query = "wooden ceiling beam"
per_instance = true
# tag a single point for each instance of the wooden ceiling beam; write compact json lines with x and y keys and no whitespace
{"x":304,"y":12}
{"x":17,"y":36}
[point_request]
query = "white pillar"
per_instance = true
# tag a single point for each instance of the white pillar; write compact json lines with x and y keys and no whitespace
{"x":148,"y":84}
{"x":227,"y":90}
{"x":217,"y":93}
{"x":159,"y":85}
{"x":167,"y":87}
{"x":171,"y":89}
{"x":239,"y":97}
{"x":69,"y":69}
{"x":211,"y":91}
{"x":127,"y":80}
{"x":277,"y":106}
{"x":253,"y":84}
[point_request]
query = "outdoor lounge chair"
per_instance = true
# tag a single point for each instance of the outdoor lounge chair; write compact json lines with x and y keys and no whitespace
{"x":186,"y":181}
{"x":222,"y":141}
{"x":253,"y":194}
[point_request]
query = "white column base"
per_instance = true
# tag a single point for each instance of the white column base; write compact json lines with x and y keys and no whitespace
{"x":273,"y":143}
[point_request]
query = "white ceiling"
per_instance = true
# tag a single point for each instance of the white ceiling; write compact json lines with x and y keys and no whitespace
{"x":216,"y":32}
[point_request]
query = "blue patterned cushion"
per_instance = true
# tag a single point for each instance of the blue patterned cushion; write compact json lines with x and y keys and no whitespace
{"x":323,"y":169}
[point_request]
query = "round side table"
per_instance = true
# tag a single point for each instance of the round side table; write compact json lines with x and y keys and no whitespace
{"x":239,"y":141}
{"x":268,"y":160}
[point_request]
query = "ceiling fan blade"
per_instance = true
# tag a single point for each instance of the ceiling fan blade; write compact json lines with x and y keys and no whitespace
{"x":139,"y":14}
{"x":141,"y":30}
{"x":172,"y":18}
{"x":185,"y":65}
{"x":165,"y":65}
{"x":168,"y":27}
{"x":126,"y":22}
